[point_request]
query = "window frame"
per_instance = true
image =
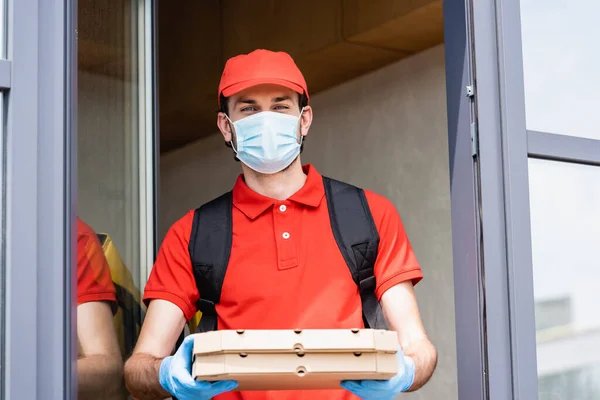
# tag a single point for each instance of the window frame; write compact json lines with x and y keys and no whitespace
{"x":555,"y":147}
{"x":40,"y":201}
{"x":41,"y":193}
{"x":489,"y":149}
{"x":464,"y":197}
{"x":495,"y":329}
{"x":495,"y":314}
{"x":5,"y":81}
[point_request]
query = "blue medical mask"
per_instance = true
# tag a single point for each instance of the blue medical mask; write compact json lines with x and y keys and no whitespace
{"x":267,"y":141}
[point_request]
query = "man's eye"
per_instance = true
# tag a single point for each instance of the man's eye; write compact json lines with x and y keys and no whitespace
{"x":245,"y":109}
{"x":281,"y":107}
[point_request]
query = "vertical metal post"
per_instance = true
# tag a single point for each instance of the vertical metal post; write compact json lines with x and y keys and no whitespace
{"x":156,"y":127}
{"x":468,"y":287}
{"x":490,"y":202}
{"x":506,"y":233}
{"x":5,"y":84}
{"x":40,"y":202}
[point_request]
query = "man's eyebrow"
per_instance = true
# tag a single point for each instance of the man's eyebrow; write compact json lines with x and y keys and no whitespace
{"x":281,"y":98}
{"x":245,"y":101}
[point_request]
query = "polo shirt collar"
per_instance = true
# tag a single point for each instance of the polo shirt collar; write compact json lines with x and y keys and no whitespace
{"x":252,"y":204}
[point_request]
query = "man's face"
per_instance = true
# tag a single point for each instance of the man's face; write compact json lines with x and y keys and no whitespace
{"x":261,"y":98}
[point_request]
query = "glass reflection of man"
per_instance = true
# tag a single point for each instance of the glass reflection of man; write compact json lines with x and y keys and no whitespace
{"x":99,"y":363}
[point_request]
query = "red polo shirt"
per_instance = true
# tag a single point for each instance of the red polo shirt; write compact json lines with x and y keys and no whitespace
{"x":285,"y":270}
{"x":94,"y":282}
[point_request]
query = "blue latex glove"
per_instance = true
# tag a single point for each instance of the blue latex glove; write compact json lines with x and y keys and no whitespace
{"x":385,"y":389}
{"x":175,"y":376}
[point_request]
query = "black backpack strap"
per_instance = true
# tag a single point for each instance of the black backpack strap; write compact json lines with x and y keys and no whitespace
{"x":209,"y":248}
{"x":357,"y":237}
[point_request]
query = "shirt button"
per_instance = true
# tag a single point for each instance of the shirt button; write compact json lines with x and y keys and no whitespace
{"x":282,"y":208}
{"x":286,"y":235}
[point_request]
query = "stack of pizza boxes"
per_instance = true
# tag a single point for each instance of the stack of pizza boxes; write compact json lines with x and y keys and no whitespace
{"x":294,"y":359}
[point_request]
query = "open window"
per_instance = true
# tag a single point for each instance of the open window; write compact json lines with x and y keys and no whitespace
{"x":376,"y":76}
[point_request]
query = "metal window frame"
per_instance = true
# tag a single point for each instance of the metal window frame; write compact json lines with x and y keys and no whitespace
{"x":495,"y":318}
{"x":507,"y":258}
{"x":464,"y":198}
{"x":502,"y":348}
{"x":40,"y":210}
{"x":5,"y":68}
{"x":151,"y":146}
{"x":156,"y":127}
{"x":489,"y":147}
{"x":563,"y":148}
{"x":554,"y":147}
{"x":40,"y":361}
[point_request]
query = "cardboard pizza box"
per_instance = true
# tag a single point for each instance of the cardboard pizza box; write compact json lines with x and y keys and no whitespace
{"x":288,"y":371}
{"x":296,"y":341}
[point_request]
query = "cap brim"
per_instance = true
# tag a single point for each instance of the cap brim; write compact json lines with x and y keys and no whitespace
{"x":238,"y":87}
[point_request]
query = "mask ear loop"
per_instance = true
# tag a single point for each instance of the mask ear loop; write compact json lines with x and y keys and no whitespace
{"x":299,"y":118}
{"x":231,"y":126}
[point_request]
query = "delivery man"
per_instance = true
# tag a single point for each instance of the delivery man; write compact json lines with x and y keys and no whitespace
{"x":99,"y":361}
{"x":284,"y":267}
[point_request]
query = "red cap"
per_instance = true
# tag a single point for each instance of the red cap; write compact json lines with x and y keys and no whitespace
{"x":259,"y":67}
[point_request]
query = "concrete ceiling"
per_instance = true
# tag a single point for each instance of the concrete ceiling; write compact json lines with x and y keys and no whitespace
{"x":332,"y":41}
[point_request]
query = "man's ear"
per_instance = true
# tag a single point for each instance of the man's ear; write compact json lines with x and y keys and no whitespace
{"x":224,"y":126}
{"x":306,"y":120}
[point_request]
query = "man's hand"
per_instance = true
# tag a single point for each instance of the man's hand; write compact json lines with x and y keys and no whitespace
{"x":176,"y":378}
{"x":401,"y":311}
{"x":417,"y":357}
{"x":385,"y":389}
{"x":151,"y":373}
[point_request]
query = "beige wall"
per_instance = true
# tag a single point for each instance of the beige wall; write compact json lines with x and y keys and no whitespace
{"x":387,"y":132}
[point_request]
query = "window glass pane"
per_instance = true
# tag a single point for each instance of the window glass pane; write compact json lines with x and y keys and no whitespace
{"x":562,"y":84}
{"x":565,"y":226}
{"x":112,"y":199}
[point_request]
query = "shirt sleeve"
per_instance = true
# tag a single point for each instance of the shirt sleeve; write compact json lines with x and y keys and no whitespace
{"x":171,"y":277}
{"x":94,"y":282}
{"x":396,"y":260}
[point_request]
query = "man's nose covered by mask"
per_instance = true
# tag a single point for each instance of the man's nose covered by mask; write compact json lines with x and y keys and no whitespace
{"x":267,"y":141}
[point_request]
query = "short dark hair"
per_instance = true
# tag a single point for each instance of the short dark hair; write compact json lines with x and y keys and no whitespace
{"x":224,"y":106}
